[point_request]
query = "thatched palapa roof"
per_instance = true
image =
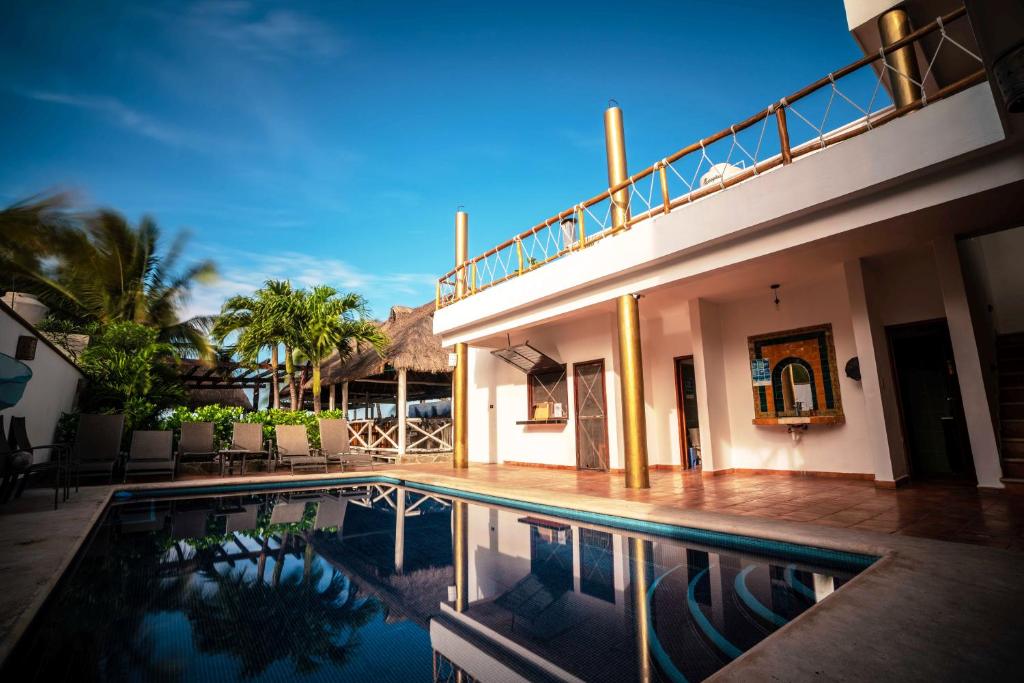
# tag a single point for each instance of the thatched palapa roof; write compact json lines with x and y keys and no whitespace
{"x":225,"y":396}
{"x":412,"y":346}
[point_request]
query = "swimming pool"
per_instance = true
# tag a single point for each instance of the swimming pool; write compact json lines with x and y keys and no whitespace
{"x":375,"y":580}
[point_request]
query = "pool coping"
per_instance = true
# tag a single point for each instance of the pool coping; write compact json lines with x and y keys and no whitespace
{"x":986,"y":577}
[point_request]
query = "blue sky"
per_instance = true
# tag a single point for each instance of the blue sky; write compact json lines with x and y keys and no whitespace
{"x":332,"y":142}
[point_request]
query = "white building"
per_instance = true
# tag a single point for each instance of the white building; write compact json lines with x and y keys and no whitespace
{"x":893,"y":233}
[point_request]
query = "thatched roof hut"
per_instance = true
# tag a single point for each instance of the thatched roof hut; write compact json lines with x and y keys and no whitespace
{"x":412,"y":346}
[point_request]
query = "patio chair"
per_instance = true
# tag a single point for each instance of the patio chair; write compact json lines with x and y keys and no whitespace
{"x":97,"y":448}
{"x":196,"y":443}
{"x":55,"y":461}
{"x":246,"y":440}
{"x":293,"y":449}
{"x":336,"y":446}
{"x":12,"y":463}
{"x":152,"y":452}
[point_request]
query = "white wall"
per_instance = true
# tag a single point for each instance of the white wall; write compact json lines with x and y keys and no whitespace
{"x":49,"y":393}
{"x":823,"y":448}
{"x":493,"y":434}
{"x":997,"y":258}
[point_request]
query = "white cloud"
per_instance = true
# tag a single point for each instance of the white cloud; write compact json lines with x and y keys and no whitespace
{"x":246,"y":272}
{"x":271,"y":34}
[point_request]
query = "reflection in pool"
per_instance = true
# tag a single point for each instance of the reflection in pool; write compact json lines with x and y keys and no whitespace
{"x":376,"y":582}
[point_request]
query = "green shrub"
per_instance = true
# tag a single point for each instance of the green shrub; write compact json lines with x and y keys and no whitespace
{"x":222,"y":418}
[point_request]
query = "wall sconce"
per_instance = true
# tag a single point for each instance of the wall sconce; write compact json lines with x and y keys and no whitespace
{"x":775,"y":295}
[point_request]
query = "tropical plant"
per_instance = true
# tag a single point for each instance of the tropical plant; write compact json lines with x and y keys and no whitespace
{"x":130,"y":371}
{"x":223,"y":417}
{"x":243,"y":618}
{"x":95,"y":267}
{"x":260,"y":321}
{"x":332,"y":322}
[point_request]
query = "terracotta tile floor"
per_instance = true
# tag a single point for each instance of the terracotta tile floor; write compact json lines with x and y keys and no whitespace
{"x":953,"y":512}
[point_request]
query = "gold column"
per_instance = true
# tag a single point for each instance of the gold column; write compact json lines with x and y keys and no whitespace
{"x":615,"y":148}
{"x":893,"y":26}
{"x":640,"y":552}
{"x":634,"y":422}
{"x":460,"y":553}
{"x":460,"y":378}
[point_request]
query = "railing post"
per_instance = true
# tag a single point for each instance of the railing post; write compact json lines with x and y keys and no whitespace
{"x":583,"y":229}
{"x":473,"y":283}
{"x":780,"y":119}
{"x":665,"y":199}
{"x":437,"y":295}
{"x":519,"y":254}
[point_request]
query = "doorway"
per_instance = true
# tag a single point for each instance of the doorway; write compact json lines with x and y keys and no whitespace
{"x":591,"y":416}
{"x":931,"y":410}
{"x":686,"y":409}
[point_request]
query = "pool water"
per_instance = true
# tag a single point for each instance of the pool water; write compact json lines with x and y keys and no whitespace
{"x":335,"y":584}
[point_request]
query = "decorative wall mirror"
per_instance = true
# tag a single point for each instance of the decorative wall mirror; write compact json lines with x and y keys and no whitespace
{"x":795,"y":378}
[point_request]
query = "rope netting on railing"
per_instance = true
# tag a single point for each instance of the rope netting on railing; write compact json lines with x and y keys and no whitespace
{"x":843,"y":104}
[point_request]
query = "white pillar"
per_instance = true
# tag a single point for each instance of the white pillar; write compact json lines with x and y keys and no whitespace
{"x":344,"y":398}
{"x":709,"y":373}
{"x":980,"y":427}
{"x":399,"y":530}
{"x":889,"y":457}
{"x":402,"y":410}
{"x":330,"y":397}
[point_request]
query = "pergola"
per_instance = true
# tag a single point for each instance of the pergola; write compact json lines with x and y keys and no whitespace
{"x":225,"y":376}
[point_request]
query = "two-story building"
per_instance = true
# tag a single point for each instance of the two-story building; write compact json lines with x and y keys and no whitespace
{"x":833,"y":286}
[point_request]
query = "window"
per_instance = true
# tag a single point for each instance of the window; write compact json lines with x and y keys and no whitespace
{"x":548,"y":394}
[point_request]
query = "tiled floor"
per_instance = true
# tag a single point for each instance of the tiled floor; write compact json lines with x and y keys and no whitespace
{"x":952,"y":512}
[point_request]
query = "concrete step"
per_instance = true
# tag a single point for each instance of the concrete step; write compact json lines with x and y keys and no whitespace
{"x":1005,"y":365}
{"x":1011,"y":394}
{"x":1013,"y":468}
{"x":1011,"y":411}
{"x":1013,"y":485}
{"x":1013,"y":448}
{"x":1011,"y":379}
{"x":1011,"y":429}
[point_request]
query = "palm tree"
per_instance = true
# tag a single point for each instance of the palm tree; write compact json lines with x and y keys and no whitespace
{"x":98,"y":268}
{"x":261,"y":321}
{"x":330,"y":322}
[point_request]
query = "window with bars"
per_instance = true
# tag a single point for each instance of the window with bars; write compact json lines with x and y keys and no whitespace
{"x":548,"y":394}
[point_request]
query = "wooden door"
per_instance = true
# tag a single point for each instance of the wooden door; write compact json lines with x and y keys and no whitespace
{"x":591,"y":416}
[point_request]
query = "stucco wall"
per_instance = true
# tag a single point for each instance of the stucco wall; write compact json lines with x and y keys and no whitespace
{"x":49,"y":393}
{"x":839,"y":448}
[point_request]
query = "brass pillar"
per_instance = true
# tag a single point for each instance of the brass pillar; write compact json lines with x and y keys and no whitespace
{"x":893,"y":26}
{"x":634,"y":420}
{"x":634,"y":423}
{"x":640,"y":554}
{"x":460,"y":553}
{"x":460,"y":377}
{"x":615,"y":148}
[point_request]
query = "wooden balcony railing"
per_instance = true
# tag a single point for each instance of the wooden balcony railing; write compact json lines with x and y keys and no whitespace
{"x":735,"y":154}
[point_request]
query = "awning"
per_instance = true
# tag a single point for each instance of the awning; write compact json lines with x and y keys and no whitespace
{"x":527,"y":358}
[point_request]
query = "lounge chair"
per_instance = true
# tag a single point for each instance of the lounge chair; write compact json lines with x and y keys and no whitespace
{"x":56,"y":458}
{"x":293,"y":449}
{"x":97,"y":448}
{"x":152,"y":452}
{"x":336,"y":445}
{"x":246,"y":440}
{"x":196,"y":443}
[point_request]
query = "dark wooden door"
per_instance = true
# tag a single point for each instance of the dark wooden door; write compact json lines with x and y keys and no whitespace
{"x":591,"y":416}
{"x":934,"y":429}
{"x":686,"y":407}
